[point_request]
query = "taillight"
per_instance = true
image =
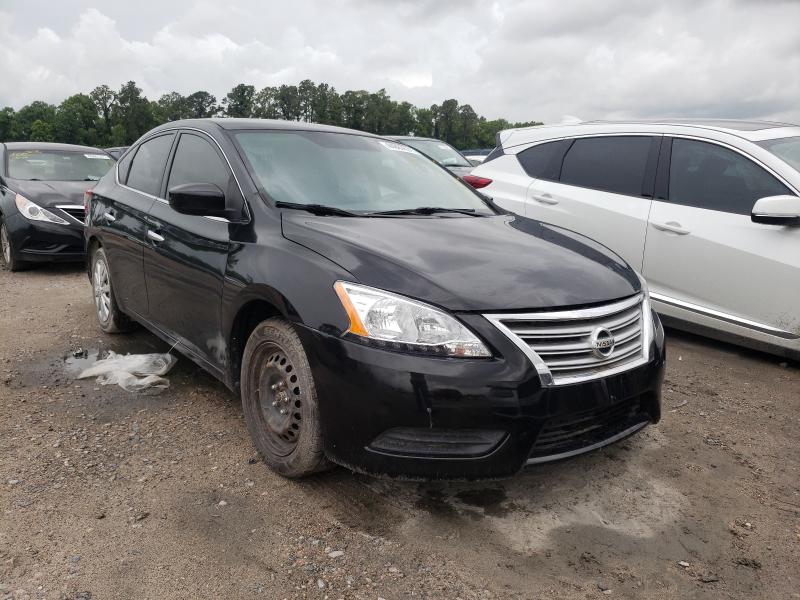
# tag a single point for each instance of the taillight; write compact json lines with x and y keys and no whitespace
{"x":477,"y":182}
{"x":87,"y":198}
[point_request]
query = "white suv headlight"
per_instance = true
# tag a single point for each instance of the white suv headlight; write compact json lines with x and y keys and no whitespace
{"x":34,"y":212}
{"x":400,"y":323}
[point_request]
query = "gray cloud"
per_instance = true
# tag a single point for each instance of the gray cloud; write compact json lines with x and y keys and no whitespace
{"x":520,"y":59}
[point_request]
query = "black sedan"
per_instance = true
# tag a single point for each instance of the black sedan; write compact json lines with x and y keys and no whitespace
{"x":370,"y":309}
{"x":42,"y":189}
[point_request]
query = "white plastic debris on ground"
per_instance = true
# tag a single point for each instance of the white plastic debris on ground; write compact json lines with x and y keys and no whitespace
{"x":132,"y":372}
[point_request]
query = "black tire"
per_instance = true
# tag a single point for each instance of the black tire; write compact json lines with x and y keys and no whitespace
{"x":111,"y":318}
{"x":279,"y":401}
{"x":7,"y":259}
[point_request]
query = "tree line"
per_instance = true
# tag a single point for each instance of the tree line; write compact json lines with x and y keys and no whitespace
{"x":105,"y":117}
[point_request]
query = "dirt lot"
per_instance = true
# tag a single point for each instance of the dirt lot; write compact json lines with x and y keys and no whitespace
{"x":106,"y":494}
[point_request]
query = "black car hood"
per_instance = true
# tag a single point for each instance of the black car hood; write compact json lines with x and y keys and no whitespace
{"x":467,"y":263}
{"x":50,"y":193}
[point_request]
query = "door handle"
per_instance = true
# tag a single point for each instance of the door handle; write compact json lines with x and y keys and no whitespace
{"x":109,"y":216}
{"x":154,"y":236}
{"x":672,"y":227}
{"x":544,"y":198}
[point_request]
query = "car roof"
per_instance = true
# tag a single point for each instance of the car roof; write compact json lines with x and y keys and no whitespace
{"x":228,"y":124}
{"x":745,"y":129}
{"x":51,"y":146}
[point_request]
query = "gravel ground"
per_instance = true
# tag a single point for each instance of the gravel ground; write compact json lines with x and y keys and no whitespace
{"x":106,"y":494}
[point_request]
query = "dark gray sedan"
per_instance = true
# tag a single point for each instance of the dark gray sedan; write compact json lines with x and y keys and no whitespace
{"x":439,"y":151}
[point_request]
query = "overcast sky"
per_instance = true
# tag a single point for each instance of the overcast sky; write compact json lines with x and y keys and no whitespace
{"x":520,"y":59}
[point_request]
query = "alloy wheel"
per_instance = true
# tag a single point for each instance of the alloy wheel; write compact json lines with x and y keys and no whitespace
{"x":5,"y":245}
{"x":102,"y":290}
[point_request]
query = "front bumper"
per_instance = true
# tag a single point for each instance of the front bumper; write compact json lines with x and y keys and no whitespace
{"x":386,"y":413}
{"x":38,"y":241}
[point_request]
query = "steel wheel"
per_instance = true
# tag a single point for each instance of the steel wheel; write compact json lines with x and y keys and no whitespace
{"x":280,"y":399}
{"x":102,"y":290}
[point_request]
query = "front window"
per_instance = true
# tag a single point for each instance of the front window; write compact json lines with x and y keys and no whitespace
{"x":57,"y":165}
{"x":442,"y":153}
{"x":351,"y":172}
{"x":787,"y":149}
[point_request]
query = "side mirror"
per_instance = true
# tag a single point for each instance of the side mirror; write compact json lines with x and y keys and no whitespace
{"x":199,"y":199}
{"x":777,"y":210}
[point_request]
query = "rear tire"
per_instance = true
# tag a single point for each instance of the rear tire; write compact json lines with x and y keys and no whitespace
{"x":6,"y":253}
{"x":279,"y":401}
{"x":111,"y":318}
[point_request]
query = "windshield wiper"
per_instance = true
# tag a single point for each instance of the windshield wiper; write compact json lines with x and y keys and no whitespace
{"x":321,"y":210}
{"x":426,"y":210}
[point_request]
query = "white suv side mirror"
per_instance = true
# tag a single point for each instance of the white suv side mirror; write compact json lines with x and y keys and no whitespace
{"x":777,"y":210}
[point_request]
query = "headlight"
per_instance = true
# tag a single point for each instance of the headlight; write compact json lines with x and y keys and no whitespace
{"x":399,"y":323}
{"x":648,"y":327}
{"x":34,"y":212}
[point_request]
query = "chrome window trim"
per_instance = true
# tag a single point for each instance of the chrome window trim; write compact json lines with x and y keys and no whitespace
{"x":723,"y":316}
{"x":177,"y":131}
{"x":597,"y":445}
{"x":65,"y":207}
{"x":545,"y":375}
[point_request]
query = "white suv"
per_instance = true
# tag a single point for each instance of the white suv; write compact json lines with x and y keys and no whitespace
{"x":707,"y":210}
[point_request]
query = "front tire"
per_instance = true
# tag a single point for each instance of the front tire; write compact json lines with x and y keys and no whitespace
{"x":6,"y":253}
{"x":279,"y":401}
{"x":111,"y":318}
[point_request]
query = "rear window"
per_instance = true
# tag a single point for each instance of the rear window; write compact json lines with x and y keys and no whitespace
{"x":543,"y":161}
{"x":58,"y":165}
{"x":611,"y":164}
{"x":148,"y":165}
{"x":351,"y":172}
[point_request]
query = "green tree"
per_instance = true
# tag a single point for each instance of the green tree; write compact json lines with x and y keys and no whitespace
{"x":289,"y":102}
{"x":104,"y":98}
{"x":423,"y":122}
{"x":41,"y":131}
{"x":239,"y":101}
{"x":171,"y":107}
{"x":354,"y":108}
{"x":265,"y":104}
{"x":76,"y":121}
{"x":7,"y":124}
{"x":27,"y":115}
{"x":307,"y":101}
{"x":201,"y":105}
{"x":131,"y":116}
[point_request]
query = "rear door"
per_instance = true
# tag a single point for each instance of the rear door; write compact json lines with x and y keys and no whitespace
{"x":599,"y":186}
{"x":186,"y":256}
{"x":705,"y":260}
{"x":120,"y":217}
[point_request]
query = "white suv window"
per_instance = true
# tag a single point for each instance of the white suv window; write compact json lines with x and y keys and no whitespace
{"x":705,"y":175}
{"x":614,"y":164}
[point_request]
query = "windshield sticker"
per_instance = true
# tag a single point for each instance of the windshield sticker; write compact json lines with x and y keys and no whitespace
{"x":398,"y":147}
{"x":443,"y":147}
{"x":97,"y":156}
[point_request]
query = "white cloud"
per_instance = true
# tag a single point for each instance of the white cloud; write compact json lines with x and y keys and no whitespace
{"x":521,"y":59}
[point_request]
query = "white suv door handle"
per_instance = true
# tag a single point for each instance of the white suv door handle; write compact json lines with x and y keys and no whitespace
{"x":544,"y":198}
{"x":154,"y":236}
{"x":672,"y":227}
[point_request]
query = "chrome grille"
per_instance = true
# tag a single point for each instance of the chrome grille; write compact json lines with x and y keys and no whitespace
{"x":567,"y":346}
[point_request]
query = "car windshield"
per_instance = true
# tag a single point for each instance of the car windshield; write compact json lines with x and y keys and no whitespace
{"x":787,"y":149}
{"x":57,"y":165}
{"x":443,"y":153}
{"x":355,"y":173}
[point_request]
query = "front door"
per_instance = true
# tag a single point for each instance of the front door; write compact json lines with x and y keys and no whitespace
{"x":705,"y":260}
{"x":186,"y":256}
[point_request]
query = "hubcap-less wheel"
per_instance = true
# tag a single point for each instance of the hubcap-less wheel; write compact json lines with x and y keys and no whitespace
{"x":5,"y":245}
{"x":281,"y":401}
{"x":102,"y":290}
